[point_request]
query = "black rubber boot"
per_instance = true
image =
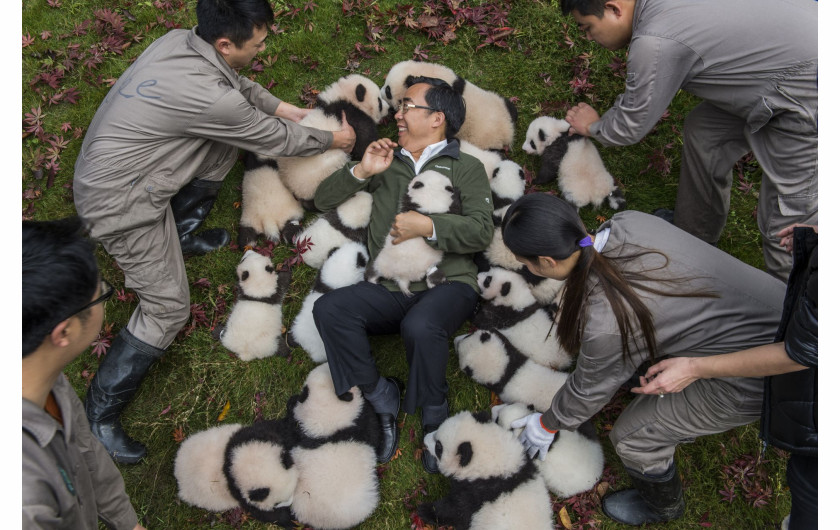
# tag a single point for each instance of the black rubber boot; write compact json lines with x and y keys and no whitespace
{"x":113,"y":386}
{"x":433,"y":416}
{"x":654,"y":499}
{"x":385,"y":399}
{"x":190,"y":207}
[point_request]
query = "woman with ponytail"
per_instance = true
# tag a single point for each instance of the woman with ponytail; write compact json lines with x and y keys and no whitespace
{"x":637,"y":290}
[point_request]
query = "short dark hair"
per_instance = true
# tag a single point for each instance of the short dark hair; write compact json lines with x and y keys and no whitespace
{"x":232,"y":19}
{"x":584,"y":7}
{"x":444,"y":98}
{"x":59,"y":275}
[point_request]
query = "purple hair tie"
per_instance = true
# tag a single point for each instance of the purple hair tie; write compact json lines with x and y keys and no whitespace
{"x":585,"y":242}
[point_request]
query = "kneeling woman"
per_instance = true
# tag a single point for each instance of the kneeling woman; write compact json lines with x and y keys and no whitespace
{"x":637,"y":290}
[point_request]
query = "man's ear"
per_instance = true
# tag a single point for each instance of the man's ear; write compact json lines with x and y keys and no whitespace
{"x":224,"y":46}
{"x":439,"y":119}
{"x":60,"y":336}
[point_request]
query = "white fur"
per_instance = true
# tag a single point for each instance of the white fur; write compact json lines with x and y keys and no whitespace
{"x":574,"y":463}
{"x":198,"y":469}
{"x":484,"y":355}
{"x":259,"y":464}
{"x":490,"y":159}
{"x":322,"y":414}
{"x":496,"y":453}
{"x":345,"y":89}
{"x":413,"y":259}
{"x":581,"y":177}
{"x":253,"y":329}
{"x":487,"y":123}
{"x":340,"y":269}
{"x":534,"y":334}
{"x":507,"y":180}
{"x":267,"y":205}
{"x":354,"y":213}
{"x":337,"y":485}
{"x":303,"y":174}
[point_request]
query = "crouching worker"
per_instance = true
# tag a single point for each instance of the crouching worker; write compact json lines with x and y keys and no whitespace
{"x":638,"y":290}
{"x":69,"y":481}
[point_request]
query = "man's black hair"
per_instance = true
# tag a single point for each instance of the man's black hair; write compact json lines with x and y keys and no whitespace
{"x":442,"y":97}
{"x":232,"y":19}
{"x":59,"y":275}
{"x":584,"y":7}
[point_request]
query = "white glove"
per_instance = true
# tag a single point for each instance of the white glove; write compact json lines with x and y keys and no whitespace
{"x":536,"y":438}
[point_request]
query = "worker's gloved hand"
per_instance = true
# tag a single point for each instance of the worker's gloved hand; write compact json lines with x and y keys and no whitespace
{"x":535,"y":437}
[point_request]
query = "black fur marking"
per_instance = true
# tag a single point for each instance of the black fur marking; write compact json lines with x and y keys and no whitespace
{"x":483,"y":416}
{"x":361,"y":260}
{"x":347,"y":396}
{"x":252,"y":161}
{"x":363,"y":124}
{"x":358,"y":235}
{"x":466,"y":497}
{"x":492,"y":316}
{"x":360,"y":92}
{"x":259,"y":494}
{"x":455,"y":207}
{"x":417,"y":185}
{"x":516,"y":359}
{"x":484,"y":337}
{"x":244,"y":276}
{"x":388,"y":92}
{"x":505,"y":289}
{"x":540,"y":135}
{"x":511,"y":108}
{"x":247,"y":236}
{"x":464,"y":453}
{"x":459,"y":85}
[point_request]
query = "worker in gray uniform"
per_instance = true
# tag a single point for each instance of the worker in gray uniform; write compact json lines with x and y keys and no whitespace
{"x":754,"y":64}
{"x":149,"y":170}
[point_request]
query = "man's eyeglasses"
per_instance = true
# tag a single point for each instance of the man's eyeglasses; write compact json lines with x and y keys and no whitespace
{"x":106,"y":291}
{"x":403,"y":106}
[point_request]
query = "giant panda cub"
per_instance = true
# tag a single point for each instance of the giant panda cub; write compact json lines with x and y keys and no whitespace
{"x":490,"y":121}
{"x":198,"y":469}
{"x":343,"y":224}
{"x":512,"y":309}
{"x":413,"y":260}
{"x":490,"y":159}
{"x":254,"y":329}
{"x":492,"y":482}
{"x":488,"y":358}
{"x":316,"y":467}
{"x":268,"y":207}
{"x":344,"y":266}
{"x":303,"y":174}
{"x":575,"y":460}
{"x":574,"y":161}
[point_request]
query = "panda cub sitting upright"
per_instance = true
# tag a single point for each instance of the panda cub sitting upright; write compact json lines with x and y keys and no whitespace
{"x":255,"y":326}
{"x":575,"y":163}
{"x":413,"y":260}
{"x":492,"y":482}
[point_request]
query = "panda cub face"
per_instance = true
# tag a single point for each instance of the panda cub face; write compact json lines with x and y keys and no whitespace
{"x":431,"y":192}
{"x":503,"y":287}
{"x":257,"y":276}
{"x":470,"y":447}
{"x":542,"y":132}
{"x":361,"y":92}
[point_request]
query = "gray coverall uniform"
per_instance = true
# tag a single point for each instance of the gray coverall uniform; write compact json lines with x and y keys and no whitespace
{"x":754,"y":63}
{"x":745,"y":314}
{"x":178,"y":113}
{"x":90,"y":486}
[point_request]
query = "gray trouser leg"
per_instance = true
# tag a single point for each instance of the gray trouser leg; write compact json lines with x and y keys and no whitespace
{"x":648,"y":431}
{"x":714,"y":141}
{"x":151,"y":259}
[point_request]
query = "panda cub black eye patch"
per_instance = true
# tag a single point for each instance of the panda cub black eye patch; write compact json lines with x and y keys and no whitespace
{"x":418,"y":185}
{"x":244,"y":276}
{"x":269,"y":268}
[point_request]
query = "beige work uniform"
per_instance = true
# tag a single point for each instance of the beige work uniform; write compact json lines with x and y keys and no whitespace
{"x":178,"y":113}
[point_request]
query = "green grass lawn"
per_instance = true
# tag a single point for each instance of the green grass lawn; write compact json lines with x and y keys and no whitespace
{"x":72,"y":52}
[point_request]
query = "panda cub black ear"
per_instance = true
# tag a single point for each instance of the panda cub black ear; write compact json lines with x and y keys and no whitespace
{"x":450,"y":189}
{"x":361,"y":91}
{"x":505,"y":288}
{"x":244,"y":277}
{"x":347,"y":396}
{"x":465,"y":454}
{"x":483,"y":416}
{"x":485,"y":336}
{"x":521,"y":174}
{"x":304,"y":394}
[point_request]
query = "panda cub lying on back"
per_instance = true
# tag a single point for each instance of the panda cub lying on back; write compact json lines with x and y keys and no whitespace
{"x":492,"y":482}
{"x":414,"y":259}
